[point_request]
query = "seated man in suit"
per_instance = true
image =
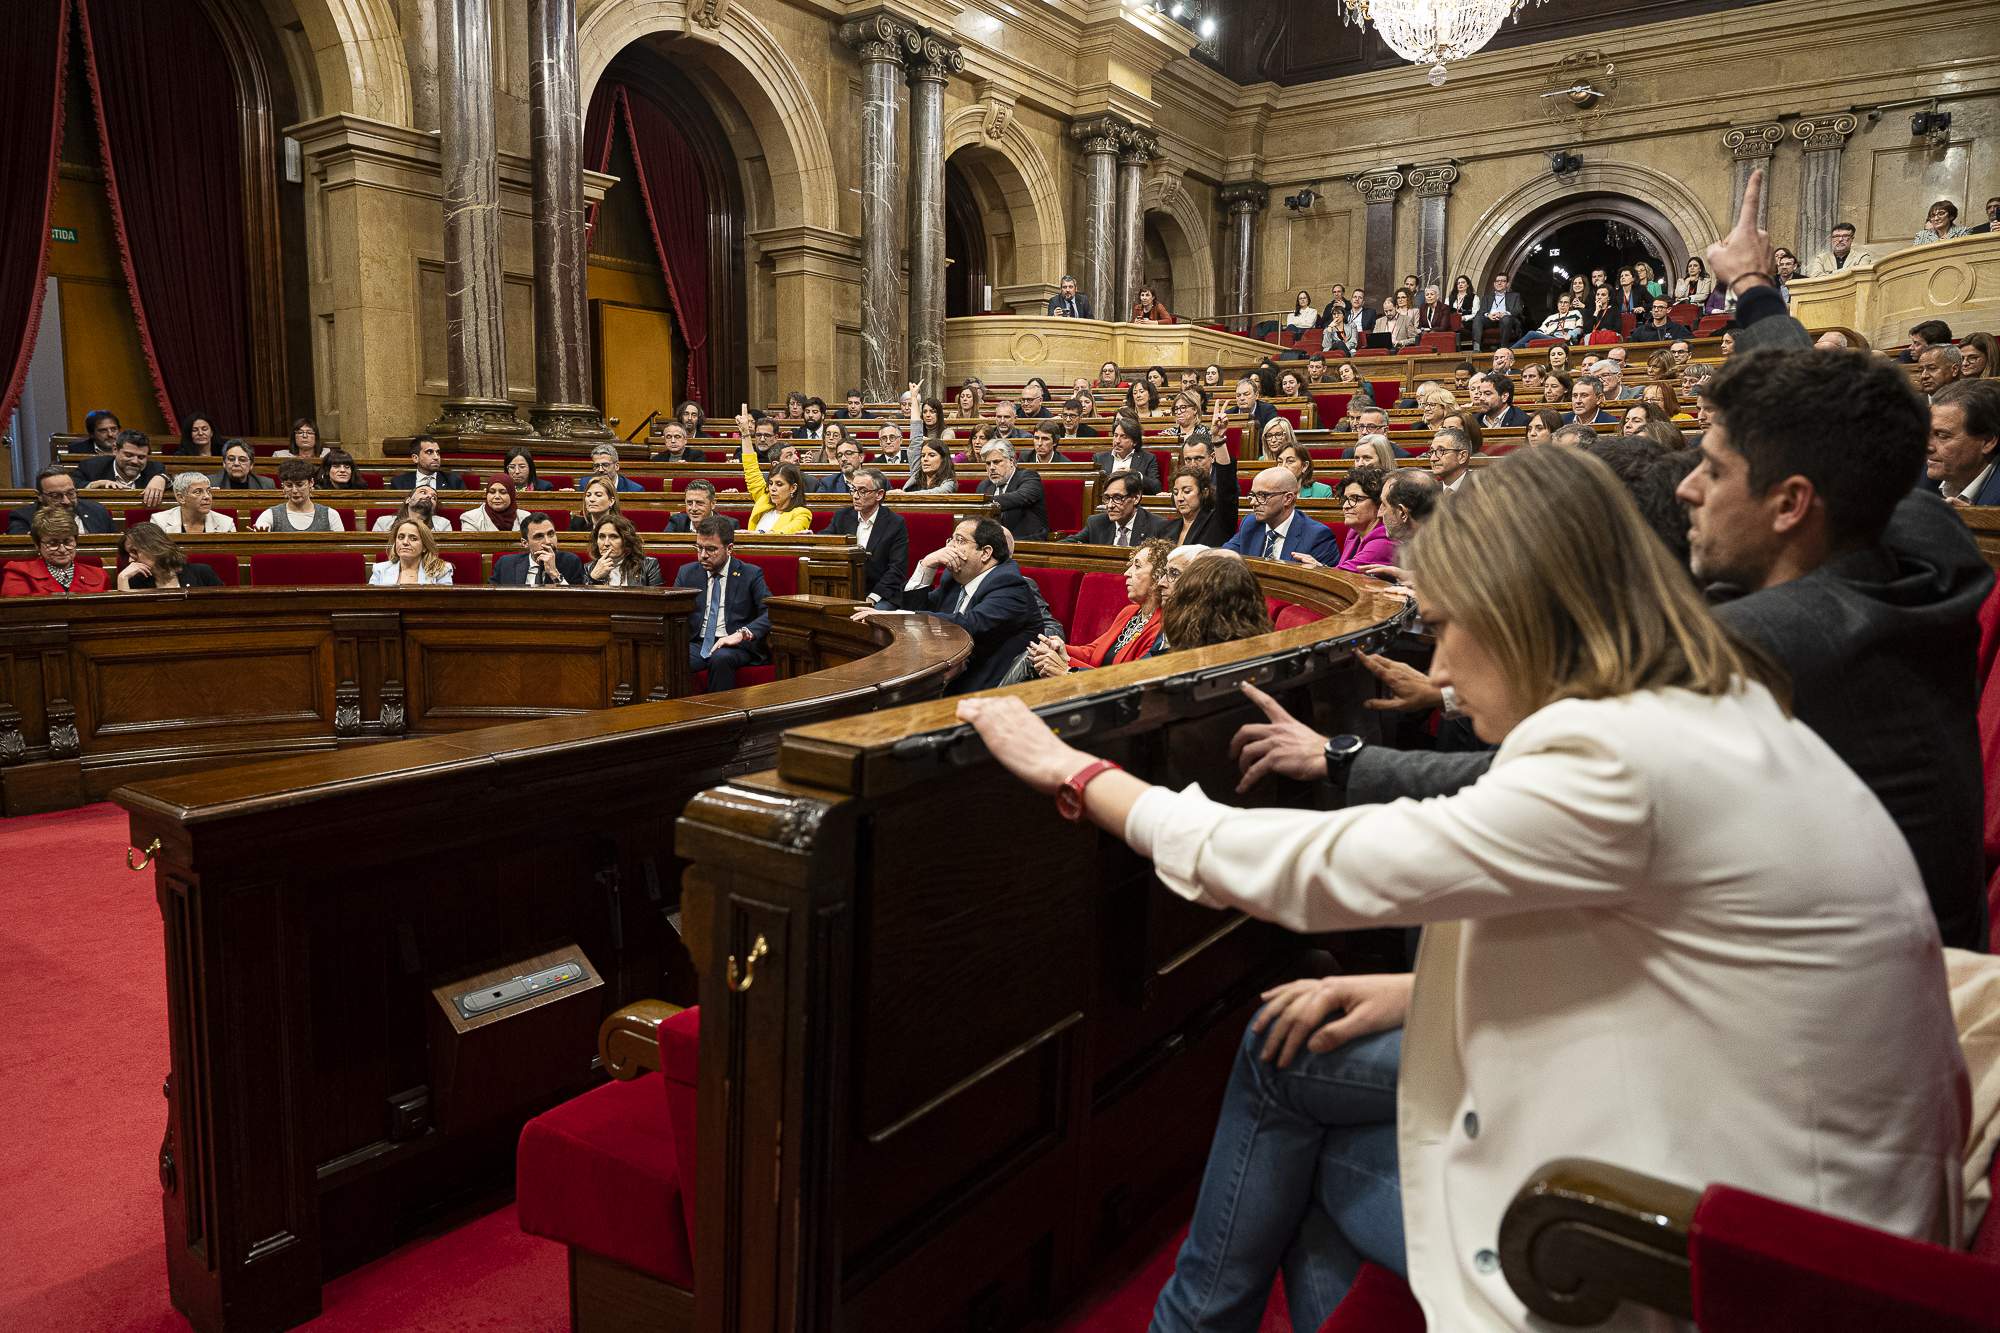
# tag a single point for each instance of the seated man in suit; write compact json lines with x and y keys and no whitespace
{"x":129,"y":467}
{"x":1069,"y":302}
{"x":1250,"y":403}
{"x":1125,"y":455}
{"x":55,"y":488}
{"x":1586,"y":401}
{"x":426,"y":468}
{"x":1839,"y":253}
{"x":697,"y":503}
{"x":730,"y":623}
{"x":1123,"y":522}
{"x":1034,"y":401}
{"x":1498,"y":309}
{"x":1451,"y":460}
{"x":848,"y":454}
{"x":1657,"y":327}
{"x":987,"y":596}
{"x":1075,"y":413}
{"x":539,"y":564}
{"x":674,"y":446}
{"x":1493,"y":399}
{"x":1276,"y":530}
{"x":856,"y":408}
{"x":604,"y":463}
{"x":101,"y":429}
{"x":878,"y":530}
{"x":1964,"y":441}
{"x":1024,"y":509}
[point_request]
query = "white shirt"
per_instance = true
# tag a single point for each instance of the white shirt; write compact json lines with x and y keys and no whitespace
{"x":1497,"y":303}
{"x":388,"y":573}
{"x":1971,"y":493}
{"x":475,"y":520}
{"x":1277,"y":552}
{"x":169,"y":520}
{"x":1667,"y":931}
{"x":923,"y":577}
{"x":864,"y":528}
{"x":280,"y":518}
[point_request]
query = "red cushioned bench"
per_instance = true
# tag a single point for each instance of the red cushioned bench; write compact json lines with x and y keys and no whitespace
{"x":308,"y":569}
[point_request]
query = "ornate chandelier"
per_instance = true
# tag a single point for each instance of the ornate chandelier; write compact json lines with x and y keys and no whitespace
{"x":1433,"y":31}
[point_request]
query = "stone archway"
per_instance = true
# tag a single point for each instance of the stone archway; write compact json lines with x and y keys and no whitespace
{"x":1182,"y":227}
{"x":359,"y":59}
{"x":1650,"y":201}
{"x":997,"y":154}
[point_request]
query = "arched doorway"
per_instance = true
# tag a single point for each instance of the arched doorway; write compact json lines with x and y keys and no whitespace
{"x":1157,"y":270}
{"x":967,"y":283}
{"x":1586,"y":231}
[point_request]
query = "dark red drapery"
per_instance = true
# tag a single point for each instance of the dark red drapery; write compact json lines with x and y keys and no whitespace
{"x":171,"y":142}
{"x":597,"y":123}
{"x":31,"y":97}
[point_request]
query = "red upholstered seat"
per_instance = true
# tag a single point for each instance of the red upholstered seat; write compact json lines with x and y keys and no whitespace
{"x":1372,"y":351}
{"x":308,"y":569}
{"x":1058,"y":590}
{"x":745,"y":678}
{"x":1291,"y":616}
{"x":1063,"y":498}
{"x":1712,"y":324}
{"x":223,"y":565}
{"x":1440,"y":343}
{"x":929,"y":530}
{"x":1378,"y":1302}
{"x":781,"y":572}
{"x":135,"y":516}
{"x":649,"y":520}
{"x":671,"y":565}
{"x":1685,"y":314}
{"x":1598,"y":336}
{"x":1331,"y":407}
{"x":465,"y":570}
{"x":1099,"y":599}
{"x":375,"y":514}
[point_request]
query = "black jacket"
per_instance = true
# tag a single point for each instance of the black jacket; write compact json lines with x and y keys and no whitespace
{"x":888,"y":548}
{"x":446,"y":481}
{"x":101,"y":469}
{"x":1098,"y":531}
{"x":1024,"y":509}
{"x":1144,"y":465}
{"x":1647,"y":332}
{"x":511,"y":571}
{"x":1002,"y":617}
{"x":90,"y":516}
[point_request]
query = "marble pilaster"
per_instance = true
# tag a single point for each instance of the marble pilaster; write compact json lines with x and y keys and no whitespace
{"x":562,"y":324}
{"x":1751,"y":147}
{"x":934,"y":63}
{"x":1098,"y":281}
{"x":475,"y":348}
{"x":1135,"y":146}
{"x":1244,"y":200}
{"x":1433,"y":186}
{"x":1378,"y":268}
{"x":1819,"y":192}
{"x":881,"y":41}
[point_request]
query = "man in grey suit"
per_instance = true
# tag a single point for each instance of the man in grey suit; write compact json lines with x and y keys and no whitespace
{"x":1123,"y":522}
{"x":1017,"y":491}
{"x":1498,"y":309}
{"x":1069,"y":302}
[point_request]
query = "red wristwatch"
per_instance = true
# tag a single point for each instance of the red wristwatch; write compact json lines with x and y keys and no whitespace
{"x":1069,"y":796}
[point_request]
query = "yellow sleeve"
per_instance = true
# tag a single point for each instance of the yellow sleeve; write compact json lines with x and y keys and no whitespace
{"x":753,"y":482}
{"x":796,"y":519}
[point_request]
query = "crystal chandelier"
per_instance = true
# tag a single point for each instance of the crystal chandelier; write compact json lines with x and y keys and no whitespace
{"x":1433,"y":31}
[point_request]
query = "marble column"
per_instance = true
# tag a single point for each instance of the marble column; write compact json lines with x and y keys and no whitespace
{"x":1135,"y":146}
{"x":1433,"y":186}
{"x":1378,"y":267}
{"x":881,"y":42}
{"x":1244,"y":201}
{"x":934,"y":63}
{"x":1751,"y":147}
{"x":562,"y":407}
{"x":1819,"y":192}
{"x":1099,"y":138}
{"x":475,"y":348}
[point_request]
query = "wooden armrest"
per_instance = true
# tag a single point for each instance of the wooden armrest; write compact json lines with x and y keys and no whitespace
{"x":1582,"y":1236}
{"x":629,"y":1040}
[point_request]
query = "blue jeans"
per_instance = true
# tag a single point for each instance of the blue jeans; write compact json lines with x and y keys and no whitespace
{"x":1301,"y":1176}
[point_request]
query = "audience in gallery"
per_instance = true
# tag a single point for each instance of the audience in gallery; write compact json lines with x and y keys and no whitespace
{"x":337,"y":472}
{"x":1964,"y":441}
{"x":934,"y":472}
{"x":55,"y":488}
{"x":599,"y":501}
{"x":1695,"y":284}
{"x":539,"y":563}
{"x":697,"y":503}
{"x":151,"y":560}
{"x":198,"y":436}
{"x":878,"y":530}
{"x":1305,"y":315}
{"x":1148,"y":310}
{"x":300,"y":512}
{"x":1940,"y":224}
{"x":621,"y":560}
{"x":55,"y":568}
{"x":427,"y":468}
{"x":193,"y":509}
{"x":729,"y":625}
{"x":303,"y":442}
{"x":1016,"y":491}
{"x":1131,"y":633}
{"x":1120,"y":522}
{"x":985,"y":594}
{"x":422,"y":504}
{"x":1068,"y":301}
{"x":1658,"y":326}
{"x":129,"y":466}
{"x":1401,"y":315}
{"x":413,"y":556}
{"x":1295,"y":459}
{"x":500,"y":511}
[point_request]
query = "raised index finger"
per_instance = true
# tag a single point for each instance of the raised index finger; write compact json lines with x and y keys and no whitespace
{"x":1753,"y":194}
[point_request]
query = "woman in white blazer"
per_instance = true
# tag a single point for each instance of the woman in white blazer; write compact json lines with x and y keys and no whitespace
{"x":1669,"y":929}
{"x":413,"y":558}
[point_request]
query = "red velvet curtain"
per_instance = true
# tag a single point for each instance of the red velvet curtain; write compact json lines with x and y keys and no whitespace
{"x":597,"y":125}
{"x":31,"y":99}
{"x":166,"y":104}
{"x":676,"y":199}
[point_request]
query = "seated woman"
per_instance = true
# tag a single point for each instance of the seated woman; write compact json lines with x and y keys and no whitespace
{"x":1334,"y":337}
{"x":1130,"y":634}
{"x":1374,"y":451}
{"x":621,"y":560}
{"x":300,"y":512}
{"x":1291,"y":384}
{"x":194,"y":508}
{"x":304,"y":442}
{"x":600,"y":501}
{"x":1668,"y":907}
{"x":1213,"y":598}
{"x":1292,"y":457}
{"x":1543,"y":423}
{"x":927,"y":419}
{"x":413,"y":557}
{"x":1142,"y":398}
{"x":1366,"y":541}
{"x":1638,"y":414}
{"x":54,"y":568}
{"x":500,"y":513}
{"x":338,"y":473}
{"x":198,"y":435}
{"x":780,"y":505}
{"x":520,"y":466}
{"x":1305,"y":313}
{"x":152,"y":560}
{"x":1940,"y":224}
{"x":1203,"y":517}
{"x":934,"y":473}
{"x":1663,"y":395}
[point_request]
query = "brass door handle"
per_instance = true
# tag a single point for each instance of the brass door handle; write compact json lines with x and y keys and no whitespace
{"x":757,"y":950}
{"x":145,"y":857}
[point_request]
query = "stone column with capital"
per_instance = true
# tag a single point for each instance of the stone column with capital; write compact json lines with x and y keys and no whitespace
{"x":1819,"y":192}
{"x":1135,"y":147}
{"x":1751,"y":147}
{"x":562,"y":407}
{"x":935,"y":61}
{"x":1433,"y":186}
{"x":1099,"y":139}
{"x":1244,"y":200}
{"x":1378,"y":268}
{"x":881,"y":41}
{"x":475,"y":349}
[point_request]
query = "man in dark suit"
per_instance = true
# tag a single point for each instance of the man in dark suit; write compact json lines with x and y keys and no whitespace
{"x":55,"y":488}
{"x":855,"y":409}
{"x":539,"y":564}
{"x":674,"y":446}
{"x":1493,"y":399}
{"x":848,"y":455}
{"x":697,"y":503}
{"x":427,"y":468}
{"x":1034,"y":400}
{"x":730,"y":623}
{"x":1451,"y":460}
{"x":1657,"y":327}
{"x":1276,"y":530}
{"x":1250,"y":403}
{"x":1965,"y":441}
{"x":986,"y":596}
{"x":1123,"y":522}
{"x":879,"y":530}
{"x":1024,"y":510}
{"x":1499,"y":309}
{"x":1070,"y":302}
{"x":1586,"y":403}
{"x":128,"y":467}
{"x":1125,"y":455}
{"x":1075,"y":427}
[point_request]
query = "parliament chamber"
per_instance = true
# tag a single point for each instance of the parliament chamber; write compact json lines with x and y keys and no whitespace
{"x":738,"y":666}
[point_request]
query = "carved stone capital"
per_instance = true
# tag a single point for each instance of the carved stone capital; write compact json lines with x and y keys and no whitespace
{"x":998,"y":103}
{"x":1099,"y":134}
{"x":1433,"y":181}
{"x":1137,"y":143}
{"x":881,"y":36}
{"x":1245,"y":196}
{"x":1379,"y":187}
{"x":1820,"y":133}
{"x":935,"y":59}
{"x":1751,"y":143}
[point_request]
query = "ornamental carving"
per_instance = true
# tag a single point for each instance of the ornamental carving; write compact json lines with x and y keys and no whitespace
{"x":1379,"y":187}
{"x":1245,"y":197}
{"x":1138,"y":142}
{"x":1434,"y":181}
{"x":707,"y":13}
{"x":882,"y":36}
{"x":998,"y":104}
{"x":1820,"y":133}
{"x":1751,"y":143}
{"x":1100,"y":134}
{"x":63,"y":740}
{"x":935,"y":58}
{"x":798,"y":823}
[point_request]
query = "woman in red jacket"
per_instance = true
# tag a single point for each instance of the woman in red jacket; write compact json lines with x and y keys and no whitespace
{"x":1132,"y":631}
{"x":56,"y":571}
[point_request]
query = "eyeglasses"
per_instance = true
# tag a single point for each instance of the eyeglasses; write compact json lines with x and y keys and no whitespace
{"x":1441,"y":451}
{"x":60,"y":543}
{"x":1265,"y":497}
{"x":1353,"y":501}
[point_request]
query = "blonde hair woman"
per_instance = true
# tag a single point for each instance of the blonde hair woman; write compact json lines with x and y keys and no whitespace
{"x":1667,"y":907}
{"x":1375,"y":451}
{"x":413,"y":557}
{"x":1435,"y":401}
{"x":1276,"y":435}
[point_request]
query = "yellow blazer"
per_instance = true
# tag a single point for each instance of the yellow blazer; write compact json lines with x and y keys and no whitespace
{"x":799,"y":518}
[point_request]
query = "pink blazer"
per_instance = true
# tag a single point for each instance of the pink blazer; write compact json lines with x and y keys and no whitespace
{"x":1375,"y":548}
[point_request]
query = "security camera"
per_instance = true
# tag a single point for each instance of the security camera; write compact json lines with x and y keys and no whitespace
{"x":1301,"y":201}
{"x":1929,"y":122}
{"x":1563,"y":162}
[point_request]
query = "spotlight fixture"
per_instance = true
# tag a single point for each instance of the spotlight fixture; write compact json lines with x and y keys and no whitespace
{"x":1929,"y":122}
{"x":1301,"y":201}
{"x":1207,"y":28}
{"x":1176,"y":10}
{"x":1565,"y":163}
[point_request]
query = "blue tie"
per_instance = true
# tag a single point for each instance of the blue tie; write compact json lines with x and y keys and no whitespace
{"x":1270,"y":543}
{"x":713,"y":630}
